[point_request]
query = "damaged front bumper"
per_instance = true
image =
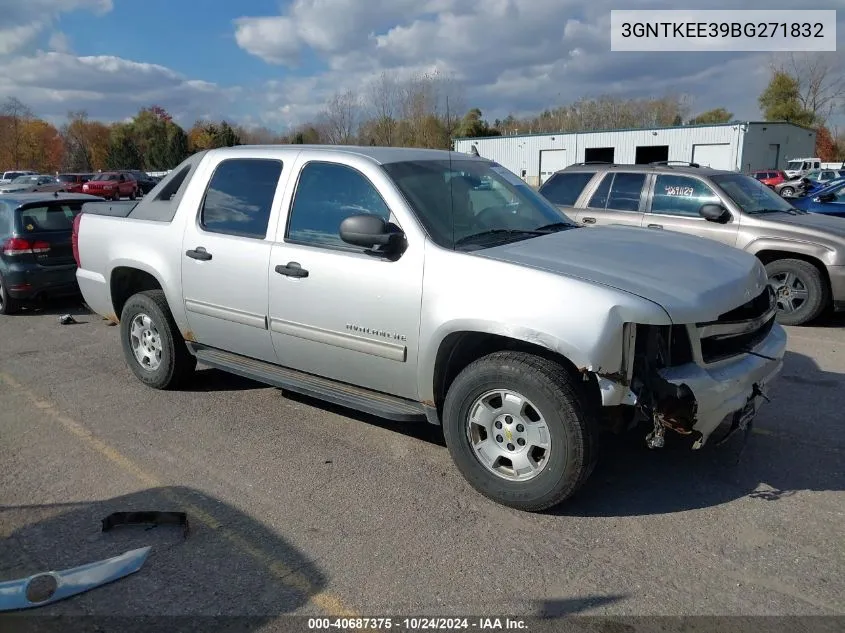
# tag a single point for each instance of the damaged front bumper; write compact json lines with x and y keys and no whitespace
{"x":670,"y":382}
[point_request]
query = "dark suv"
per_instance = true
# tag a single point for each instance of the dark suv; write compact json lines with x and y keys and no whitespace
{"x":804,"y":253}
{"x":36,"y":253}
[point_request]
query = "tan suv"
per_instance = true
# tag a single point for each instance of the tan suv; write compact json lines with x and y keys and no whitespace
{"x":804,"y":253}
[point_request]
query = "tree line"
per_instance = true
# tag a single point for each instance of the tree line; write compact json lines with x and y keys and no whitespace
{"x":426,"y":110}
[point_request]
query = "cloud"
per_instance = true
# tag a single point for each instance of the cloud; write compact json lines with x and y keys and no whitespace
{"x":54,"y":81}
{"x":513,"y":56}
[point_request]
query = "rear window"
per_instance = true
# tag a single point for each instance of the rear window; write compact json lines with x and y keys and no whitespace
{"x":564,"y":188}
{"x":54,"y":217}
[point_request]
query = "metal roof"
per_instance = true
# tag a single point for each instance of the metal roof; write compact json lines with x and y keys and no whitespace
{"x":636,"y":129}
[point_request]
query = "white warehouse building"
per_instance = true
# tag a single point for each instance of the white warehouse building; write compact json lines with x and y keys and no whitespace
{"x":738,"y":146}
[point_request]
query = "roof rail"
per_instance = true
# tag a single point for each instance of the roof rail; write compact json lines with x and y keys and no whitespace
{"x":593,"y":162}
{"x":673,"y":162}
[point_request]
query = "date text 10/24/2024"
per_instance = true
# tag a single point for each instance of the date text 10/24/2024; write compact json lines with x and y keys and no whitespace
{"x":418,"y":624}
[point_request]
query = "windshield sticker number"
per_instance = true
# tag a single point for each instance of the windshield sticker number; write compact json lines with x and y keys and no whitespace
{"x":679,"y":191}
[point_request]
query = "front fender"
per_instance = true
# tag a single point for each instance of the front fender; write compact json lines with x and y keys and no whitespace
{"x":808,"y":248}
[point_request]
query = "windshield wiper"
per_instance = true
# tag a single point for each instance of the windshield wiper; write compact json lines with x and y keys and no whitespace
{"x":556,"y":226}
{"x":491,"y":234}
{"x":790,"y":211}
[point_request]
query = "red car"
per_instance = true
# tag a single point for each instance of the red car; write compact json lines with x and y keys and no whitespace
{"x":73,"y":182}
{"x":112,"y":184}
{"x":770,"y":177}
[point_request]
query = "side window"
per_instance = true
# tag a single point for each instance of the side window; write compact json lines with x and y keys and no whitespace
{"x":327,"y":194}
{"x":681,"y":195}
{"x":599,"y":199}
{"x":625,"y":192}
{"x":239,"y":197}
{"x":564,"y":187}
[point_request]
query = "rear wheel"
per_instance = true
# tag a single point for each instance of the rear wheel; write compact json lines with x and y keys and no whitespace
{"x":152,"y":345}
{"x":520,"y":430}
{"x":7,"y":304}
{"x":800,"y":291}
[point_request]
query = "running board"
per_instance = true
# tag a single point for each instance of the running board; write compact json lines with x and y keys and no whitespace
{"x":339,"y":393}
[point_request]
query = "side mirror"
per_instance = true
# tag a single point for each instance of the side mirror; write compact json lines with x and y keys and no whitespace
{"x":827,"y":197}
{"x":368,"y":230}
{"x":715,"y":213}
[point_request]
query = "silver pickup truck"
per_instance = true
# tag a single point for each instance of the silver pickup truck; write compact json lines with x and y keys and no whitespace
{"x":426,"y":285}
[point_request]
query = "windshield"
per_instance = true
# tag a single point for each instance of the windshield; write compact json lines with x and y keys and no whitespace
{"x":750,"y":195}
{"x":465,"y":200}
{"x":101,"y":177}
{"x":795,"y":165}
{"x":25,"y":180}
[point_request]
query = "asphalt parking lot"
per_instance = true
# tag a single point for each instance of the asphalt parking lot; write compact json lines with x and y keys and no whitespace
{"x":300,"y":508}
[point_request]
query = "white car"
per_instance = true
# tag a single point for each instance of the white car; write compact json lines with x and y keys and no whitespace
{"x":9,"y":176}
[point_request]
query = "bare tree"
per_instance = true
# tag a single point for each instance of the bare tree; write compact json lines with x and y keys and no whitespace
{"x":15,"y":115}
{"x":382,"y":105}
{"x":341,"y":117}
{"x":821,"y":82}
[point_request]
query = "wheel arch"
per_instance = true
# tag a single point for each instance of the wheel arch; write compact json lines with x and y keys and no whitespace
{"x":769,"y":255}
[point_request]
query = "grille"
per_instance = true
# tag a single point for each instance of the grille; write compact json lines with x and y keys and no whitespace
{"x":739,"y":330}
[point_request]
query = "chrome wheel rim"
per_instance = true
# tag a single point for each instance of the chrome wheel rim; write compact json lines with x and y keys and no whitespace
{"x":1,"y":294}
{"x":790,"y":291}
{"x":508,"y":435}
{"x":145,"y":341}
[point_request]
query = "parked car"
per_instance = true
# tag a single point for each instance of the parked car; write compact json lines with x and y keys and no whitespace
{"x":828,"y":201}
{"x":32,"y":184}
{"x":374,"y":278}
{"x":113,"y":185}
{"x":793,"y":187}
{"x":36,"y":257}
{"x":144,"y":180}
{"x":804,"y":254}
{"x":9,"y":176}
{"x":816,"y":188}
{"x":73,"y":182}
{"x":770,"y":178}
{"x":802,"y":166}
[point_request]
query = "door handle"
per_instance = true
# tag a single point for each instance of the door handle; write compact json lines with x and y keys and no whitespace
{"x":588,"y":220}
{"x":292,"y":269}
{"x":655,"y":226}
{"x":199,"y":253}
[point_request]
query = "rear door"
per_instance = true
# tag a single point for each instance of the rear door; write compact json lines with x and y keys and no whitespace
{"x":226,"y":256}
{"x":619,"y":199}
{"x":674,"y":204}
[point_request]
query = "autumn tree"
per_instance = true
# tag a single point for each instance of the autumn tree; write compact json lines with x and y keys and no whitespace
{"x":123,"y":150}
{"x":87,"y":143}
{"x":781,"y":101}
{"x":42,"y":146}
{"x":716,"y":115}
{"x":819,"y":82}
{"x":14,"y":119}
{"x":826,"y":148}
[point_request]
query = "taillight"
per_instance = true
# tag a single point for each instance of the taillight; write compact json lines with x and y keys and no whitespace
{"x":20,"y":246}
{"x":74,"y":238}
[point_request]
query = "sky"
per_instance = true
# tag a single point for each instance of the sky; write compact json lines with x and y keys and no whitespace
{"x":275,"y":63}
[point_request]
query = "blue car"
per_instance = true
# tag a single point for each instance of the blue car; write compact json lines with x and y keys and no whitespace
{"x":818,"y":185}
{"x":829,"y":200}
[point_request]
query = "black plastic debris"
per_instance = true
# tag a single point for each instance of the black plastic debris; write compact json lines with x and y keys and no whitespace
{"x":149,"y":518}
{"x":67,"y":319}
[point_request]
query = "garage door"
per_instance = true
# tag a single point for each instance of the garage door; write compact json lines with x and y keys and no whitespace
{"x":717,"y":156}
{"x":551,"y":160}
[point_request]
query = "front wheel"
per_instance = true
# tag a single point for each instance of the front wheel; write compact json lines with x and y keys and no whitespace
{"x":152,"y":345}
{"x":521,"y":430}
{"x":787,"y":192}
{"x":800,"y":291}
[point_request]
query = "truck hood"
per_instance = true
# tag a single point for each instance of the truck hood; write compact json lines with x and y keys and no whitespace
{"x":817,"y":225}
{"x":693,"y":279}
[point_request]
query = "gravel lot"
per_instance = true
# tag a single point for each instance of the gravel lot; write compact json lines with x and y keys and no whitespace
{"x":298,"y":507}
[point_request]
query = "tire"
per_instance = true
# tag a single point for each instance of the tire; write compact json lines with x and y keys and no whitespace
{"x":796,"y":274}
{"x":132,"y":195}
{"x":554,"y":393}
{"x":787,"y":192}
{"x":175,"y":362}
{"x":8,"y":305}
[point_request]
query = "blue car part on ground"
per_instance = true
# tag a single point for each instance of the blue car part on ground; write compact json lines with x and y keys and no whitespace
{"x":52,"y":586}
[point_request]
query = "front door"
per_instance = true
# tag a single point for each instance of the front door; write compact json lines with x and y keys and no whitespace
{"x":226,"y":258}
{"x":675,"y":204}
{"x":336,"y":310}
{"x":618,"y":200}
